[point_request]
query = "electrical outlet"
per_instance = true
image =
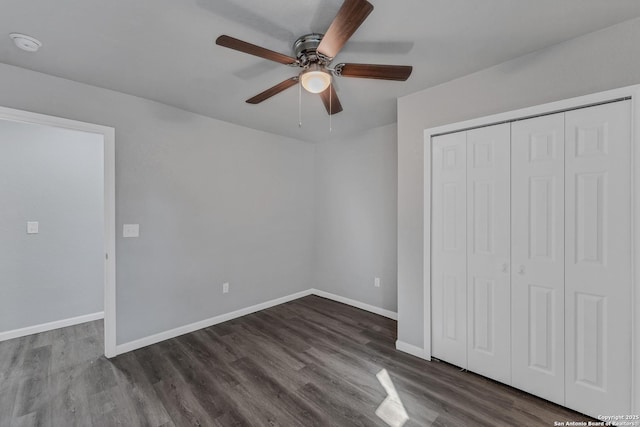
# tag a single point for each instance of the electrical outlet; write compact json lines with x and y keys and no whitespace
{"x":225,"y":288}
{"x":376,"y":282}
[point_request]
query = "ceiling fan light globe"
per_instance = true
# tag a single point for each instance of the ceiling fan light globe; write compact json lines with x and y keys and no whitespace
{"x":315,"y":81}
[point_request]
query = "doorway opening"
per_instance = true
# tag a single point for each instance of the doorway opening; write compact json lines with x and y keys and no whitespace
{"x":58,"y":218}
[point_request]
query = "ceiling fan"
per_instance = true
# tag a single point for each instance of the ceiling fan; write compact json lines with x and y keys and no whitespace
{"x":314,"y":53}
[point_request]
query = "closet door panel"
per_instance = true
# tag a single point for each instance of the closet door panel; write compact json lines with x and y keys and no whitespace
{"x":449,"y":250}
{"x":537,"y":251}
{"x":598,"y":259}
{"x":488,"y":241}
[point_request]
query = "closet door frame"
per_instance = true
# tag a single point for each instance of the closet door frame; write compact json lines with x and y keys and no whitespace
{"x":629,"y":92}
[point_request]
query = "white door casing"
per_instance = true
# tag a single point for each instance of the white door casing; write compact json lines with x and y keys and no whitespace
{"x":598,"y":259}
{"x":488,"y":247}
{"x":537,"y":256}
{"x":449,"y":248}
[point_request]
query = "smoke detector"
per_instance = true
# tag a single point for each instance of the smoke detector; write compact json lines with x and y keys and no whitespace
{"x":25,"y":42}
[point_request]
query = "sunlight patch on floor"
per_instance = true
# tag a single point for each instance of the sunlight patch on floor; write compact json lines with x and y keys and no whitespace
{"x":391,"y":410}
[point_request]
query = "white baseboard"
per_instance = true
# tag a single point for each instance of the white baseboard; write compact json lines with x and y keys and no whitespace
{"x":172,"y":333}
{"x":44,"y":327}
{"x":367,"y":307}
{"x":411,"y":349}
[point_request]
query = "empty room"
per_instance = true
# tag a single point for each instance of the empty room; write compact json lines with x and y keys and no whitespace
{"x":319,"y":213}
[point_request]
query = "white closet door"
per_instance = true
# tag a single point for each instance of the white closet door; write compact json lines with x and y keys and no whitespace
{"x":449,"y":249}
{"x":537,"y":255}
{"x":488,"y":284}
{"x":598,"y":259}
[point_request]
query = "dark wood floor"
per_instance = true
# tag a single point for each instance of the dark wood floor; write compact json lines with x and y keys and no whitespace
{"x":310,"y":362}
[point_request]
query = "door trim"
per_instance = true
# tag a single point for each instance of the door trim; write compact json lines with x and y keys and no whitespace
{"x":108,"y":134}
{"x":628,"y":92}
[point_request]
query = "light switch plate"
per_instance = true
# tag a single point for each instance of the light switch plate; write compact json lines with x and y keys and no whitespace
{"x":131,"y":230}
{"x":32,"y":227}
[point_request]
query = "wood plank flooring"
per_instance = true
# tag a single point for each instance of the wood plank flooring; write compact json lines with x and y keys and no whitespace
{"x":310,"y":362}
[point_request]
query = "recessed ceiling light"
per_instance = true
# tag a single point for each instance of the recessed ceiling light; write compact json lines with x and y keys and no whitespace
{"x":25,"y":42}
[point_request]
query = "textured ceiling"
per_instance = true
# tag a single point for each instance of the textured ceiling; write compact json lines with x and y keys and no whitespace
{"x":164,"y":49}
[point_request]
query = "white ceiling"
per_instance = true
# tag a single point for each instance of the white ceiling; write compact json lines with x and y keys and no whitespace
{"x":164,"y":49}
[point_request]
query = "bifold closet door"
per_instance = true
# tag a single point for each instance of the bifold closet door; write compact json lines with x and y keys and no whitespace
{"x":449,"y":250}
{"x":537,"y":256}
{"x":598,"y":259}
{"x":488,"y":247}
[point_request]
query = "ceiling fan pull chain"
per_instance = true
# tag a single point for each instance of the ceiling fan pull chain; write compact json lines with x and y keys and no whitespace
{"x":299,"y":104}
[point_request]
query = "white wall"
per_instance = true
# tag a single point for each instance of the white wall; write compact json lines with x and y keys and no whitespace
{"x":598,"y":61}
{"x":53,"y":176}
{"x":215,"y":202}
{"x":356,"y":183}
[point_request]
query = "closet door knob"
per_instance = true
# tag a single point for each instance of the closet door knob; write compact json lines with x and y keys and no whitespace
{"x":521,"y":269}
{"x":505,"y":267}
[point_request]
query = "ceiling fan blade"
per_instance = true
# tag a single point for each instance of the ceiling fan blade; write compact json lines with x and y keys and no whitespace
{"x":273,"y":90}
{"x":374,"y":71}
{"x":350,"y":16}
{"x":252,"y":49}
{"x":330,"y":100}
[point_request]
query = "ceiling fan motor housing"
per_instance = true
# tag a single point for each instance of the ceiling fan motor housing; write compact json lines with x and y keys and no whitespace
{"x":305,"y":49}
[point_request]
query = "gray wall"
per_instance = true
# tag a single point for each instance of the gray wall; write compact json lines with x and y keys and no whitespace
{"x":215,"y":202}
{"x":356,"y":183}
{"x":218,"y":202}
{"x":603,"y":60}
{"x":53,"y":176}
